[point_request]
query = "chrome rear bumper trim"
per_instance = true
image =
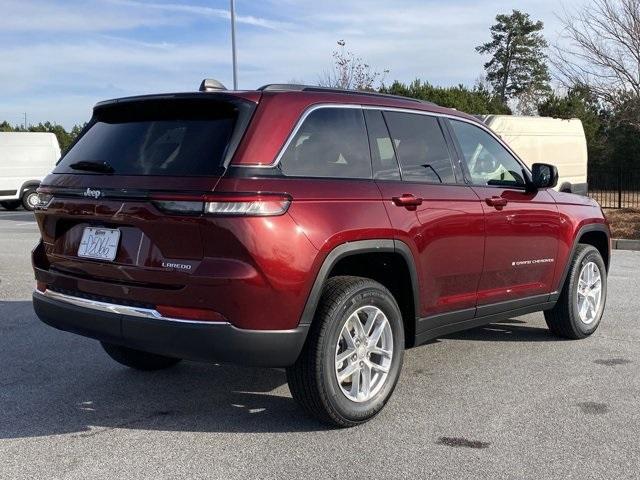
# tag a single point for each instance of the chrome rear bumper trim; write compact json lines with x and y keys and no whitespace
{"x":118,"y":309}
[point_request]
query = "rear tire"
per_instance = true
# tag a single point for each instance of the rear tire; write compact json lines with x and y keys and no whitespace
{"x":10,"y":204}
{"x":137,"y":359}
{"x":30,"y":199}
{"x":357,"y":328}
{"x":567,"y":319}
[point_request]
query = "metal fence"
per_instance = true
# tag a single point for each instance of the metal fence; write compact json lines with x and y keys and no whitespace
{"x":617,"y":187}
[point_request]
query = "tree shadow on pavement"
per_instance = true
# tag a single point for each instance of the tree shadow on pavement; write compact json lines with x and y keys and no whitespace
{"x":53,"y":383}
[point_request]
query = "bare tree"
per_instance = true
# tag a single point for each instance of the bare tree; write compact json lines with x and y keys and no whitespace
{"x":351,"y":72}
{"x":600,"y":48}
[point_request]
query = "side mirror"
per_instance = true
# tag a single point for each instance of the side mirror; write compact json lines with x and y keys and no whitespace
{"x":544,"y":175}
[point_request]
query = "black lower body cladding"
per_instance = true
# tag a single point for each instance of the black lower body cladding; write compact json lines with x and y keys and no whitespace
{"x":199,"y":341}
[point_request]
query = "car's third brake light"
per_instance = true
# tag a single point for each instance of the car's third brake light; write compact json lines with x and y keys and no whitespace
{"x":246,"y":204}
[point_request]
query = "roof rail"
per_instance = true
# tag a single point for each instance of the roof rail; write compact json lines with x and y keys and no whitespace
{"x":285,"y":87}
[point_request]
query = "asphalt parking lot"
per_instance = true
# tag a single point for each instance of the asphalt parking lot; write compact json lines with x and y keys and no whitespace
{"x":505,"y":401}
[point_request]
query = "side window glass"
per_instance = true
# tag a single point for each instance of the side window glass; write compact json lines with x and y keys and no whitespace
{"x":332,"y":142}
{"x":488,"y":162}
{"x":385,"y":165}
{"x":421,"y":148}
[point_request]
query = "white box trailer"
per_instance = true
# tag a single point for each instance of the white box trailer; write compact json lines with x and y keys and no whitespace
{"x":547,"y":140}
{"x":25,"y":159}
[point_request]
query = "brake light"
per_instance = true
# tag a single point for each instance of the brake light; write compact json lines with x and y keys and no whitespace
{"x":183,"y":313}
{"x":245,"y":204}
{"x":45,"y":196}
{"x":259,"y":205}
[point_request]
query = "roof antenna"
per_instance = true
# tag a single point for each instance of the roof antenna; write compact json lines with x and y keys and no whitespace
{"x":211,"y":85}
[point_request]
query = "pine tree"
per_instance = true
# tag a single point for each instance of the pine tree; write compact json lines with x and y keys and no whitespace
{"x":517,"y":67}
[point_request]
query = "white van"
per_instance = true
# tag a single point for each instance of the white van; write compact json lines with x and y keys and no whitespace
{"x":547,"y":140}
{"x":25,"y":159}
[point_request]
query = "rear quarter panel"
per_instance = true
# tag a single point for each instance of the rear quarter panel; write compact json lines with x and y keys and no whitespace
{"x":325,"y":213}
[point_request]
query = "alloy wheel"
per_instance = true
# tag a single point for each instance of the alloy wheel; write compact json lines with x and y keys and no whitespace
{"x":589,"y":293}
{"x":364,"y":351}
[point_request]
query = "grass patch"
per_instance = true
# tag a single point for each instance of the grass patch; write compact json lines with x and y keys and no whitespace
{"x":625,"y":222}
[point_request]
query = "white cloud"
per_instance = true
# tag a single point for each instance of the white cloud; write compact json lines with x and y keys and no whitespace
{"x":68,"y":56}
{"x":112,"y":15}
{"x":125,"y":65}
{"x":203,"y":11}
{"x":40,"y":16}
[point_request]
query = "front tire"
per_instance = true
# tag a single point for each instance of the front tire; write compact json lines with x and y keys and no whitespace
{"x":137,"y":359}
{"x":581,"y":304}
{"x":352,"y":359}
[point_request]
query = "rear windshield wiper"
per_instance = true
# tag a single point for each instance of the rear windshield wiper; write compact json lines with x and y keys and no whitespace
{"x":102,"y":167}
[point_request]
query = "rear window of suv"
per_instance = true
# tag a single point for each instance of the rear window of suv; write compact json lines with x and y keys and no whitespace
{"x":331,"y":142}
{"x":176,"y":137}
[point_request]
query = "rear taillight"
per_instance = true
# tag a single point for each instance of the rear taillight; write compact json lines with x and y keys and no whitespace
{"x":45,"y":196}
{"x":258,"y":205}
{"x":245,"y":204}
{"x":179,"y":206}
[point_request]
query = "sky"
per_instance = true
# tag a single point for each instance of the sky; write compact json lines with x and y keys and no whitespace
{"x":58,"y":58}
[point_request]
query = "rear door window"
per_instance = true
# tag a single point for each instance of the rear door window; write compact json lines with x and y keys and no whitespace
{"x":176,"y":138}
{"x":385,"y":165}
{"x":421,"y":148}
{"x":332,"y":143}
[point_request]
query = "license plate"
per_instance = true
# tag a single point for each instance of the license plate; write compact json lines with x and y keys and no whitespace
{"x":99,"y":243}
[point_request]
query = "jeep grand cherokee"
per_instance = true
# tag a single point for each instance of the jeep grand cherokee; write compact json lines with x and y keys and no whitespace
{"x":319,"y":230}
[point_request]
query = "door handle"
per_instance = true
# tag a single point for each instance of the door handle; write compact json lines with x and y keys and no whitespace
{"x":407,"y":200}
{"x":498,"y":202}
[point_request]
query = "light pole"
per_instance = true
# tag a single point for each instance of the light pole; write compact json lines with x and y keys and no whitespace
{"x":233,"y":44}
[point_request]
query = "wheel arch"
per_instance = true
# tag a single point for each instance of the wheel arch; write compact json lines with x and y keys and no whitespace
{"x":372,"y":259}
{"x":598,"y":238}
{"x":596,"y":235}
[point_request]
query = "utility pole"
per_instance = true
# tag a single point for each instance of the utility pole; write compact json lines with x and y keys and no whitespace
{"x":233,"y":44}
{"x":25,"y":120}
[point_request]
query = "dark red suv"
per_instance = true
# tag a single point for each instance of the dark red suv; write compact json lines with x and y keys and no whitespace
{"x":314,"y":229}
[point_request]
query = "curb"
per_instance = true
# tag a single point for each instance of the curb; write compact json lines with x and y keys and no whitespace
{"x":624,"y":244}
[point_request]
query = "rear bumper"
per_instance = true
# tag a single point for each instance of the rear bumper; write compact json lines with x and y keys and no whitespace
{"x":145,"y":330}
